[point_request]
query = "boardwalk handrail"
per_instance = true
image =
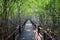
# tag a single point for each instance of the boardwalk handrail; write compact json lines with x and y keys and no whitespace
{"x":12,"y":33}
{"x":8,"y":35}
{"x":17,"y":28}
{"x":33,"y":23}
{"x":46,"y":35}
{"x":25,"y":22}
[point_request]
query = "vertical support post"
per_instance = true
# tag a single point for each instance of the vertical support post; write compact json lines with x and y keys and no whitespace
{"x":44,"y":36}
{"x":19,"y":29}
{"x":14,"y":36}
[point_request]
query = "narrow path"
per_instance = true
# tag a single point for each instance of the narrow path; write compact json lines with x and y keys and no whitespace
{"x":28,"y":32}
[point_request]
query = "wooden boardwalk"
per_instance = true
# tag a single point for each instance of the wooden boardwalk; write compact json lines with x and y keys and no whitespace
{"x":29,"y":32}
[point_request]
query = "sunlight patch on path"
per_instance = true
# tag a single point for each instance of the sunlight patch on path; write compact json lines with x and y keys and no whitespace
{"x":28,"y":24}
{"x":28,"y":30}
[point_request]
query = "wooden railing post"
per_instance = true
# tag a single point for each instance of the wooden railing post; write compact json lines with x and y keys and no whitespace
{"x":13,"y":36}
{"x":19,"y":29}
{"x":45,"y":36}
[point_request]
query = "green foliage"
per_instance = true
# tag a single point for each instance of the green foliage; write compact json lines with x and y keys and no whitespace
{"x":1,"y":8}
{"x":47,"y":10}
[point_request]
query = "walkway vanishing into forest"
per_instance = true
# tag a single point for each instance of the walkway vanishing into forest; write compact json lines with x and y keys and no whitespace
{"x":28,"y":33}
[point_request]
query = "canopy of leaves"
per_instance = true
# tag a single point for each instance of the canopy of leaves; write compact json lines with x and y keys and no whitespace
{"x":31,"y":7}
{"x":47,"y":10}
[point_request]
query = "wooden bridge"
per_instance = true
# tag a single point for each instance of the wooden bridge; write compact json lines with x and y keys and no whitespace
{"x":29,"y":31}
{"x":29,"y":19}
